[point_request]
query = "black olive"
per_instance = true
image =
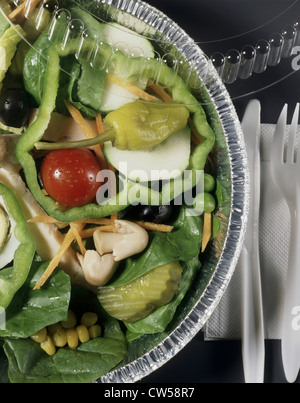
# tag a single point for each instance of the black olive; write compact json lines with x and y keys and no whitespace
{"x":14,"y":107}
{"x":155,"y":214}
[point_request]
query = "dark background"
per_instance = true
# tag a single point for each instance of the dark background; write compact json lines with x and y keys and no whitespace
{"x":218,"y":26}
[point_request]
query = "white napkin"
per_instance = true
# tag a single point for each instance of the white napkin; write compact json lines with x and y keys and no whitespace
{"x":225,"y":323}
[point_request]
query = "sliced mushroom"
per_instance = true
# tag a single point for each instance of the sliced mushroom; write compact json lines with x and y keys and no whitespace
{"x":98,"y":270}
{"x":105,"y":241}
{"x":129,"y":240}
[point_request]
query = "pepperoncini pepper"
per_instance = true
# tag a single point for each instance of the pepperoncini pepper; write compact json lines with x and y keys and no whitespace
{"x":12,"y":278}
{"x":135,"y":126}
{"x":142,"y":125}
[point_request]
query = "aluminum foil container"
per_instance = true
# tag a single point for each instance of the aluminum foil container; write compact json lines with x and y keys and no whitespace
{"x":172,"y":43}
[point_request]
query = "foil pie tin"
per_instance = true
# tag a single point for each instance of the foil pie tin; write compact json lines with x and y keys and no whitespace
{"x":173,"y":46}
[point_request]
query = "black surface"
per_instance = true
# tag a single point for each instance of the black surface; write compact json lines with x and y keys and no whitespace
{"x":210,"y":22}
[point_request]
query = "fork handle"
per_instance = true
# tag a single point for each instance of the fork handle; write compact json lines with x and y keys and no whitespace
{"x":291,"y":314}
{"x":253,"y":339}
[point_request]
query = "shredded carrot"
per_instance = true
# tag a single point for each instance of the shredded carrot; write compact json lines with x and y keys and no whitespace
{"x":17,"y":11}
{"x":207,"y":230}
{"x":99,"y":153}
{"x":77,"y":228}
{"x":196,"y":138}
{"x":45,"y":219}
{"x":100,"y":124}
{"x":113,"y":79}
{"x":160,"y":92}
{"x":88,"y":132}
{"x":114,"y":217}
{"x":69,"y":238}
{"x":106,"y":223}
{"x":95,"y":221}
{"x":88,"y":233}
{"x":50,"y":220}
{"x":155,"y":227}
{"x":99,"y":147}
{"x":21,"y":9}
{"x":79,"y":119}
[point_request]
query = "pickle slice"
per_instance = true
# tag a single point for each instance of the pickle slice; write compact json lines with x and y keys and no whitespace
{"x":139,"y":298}
{"x":4,"y":227}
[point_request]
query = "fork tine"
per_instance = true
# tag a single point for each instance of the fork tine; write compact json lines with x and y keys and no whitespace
{"x":290,"y":156}
{"x":277,"y":153}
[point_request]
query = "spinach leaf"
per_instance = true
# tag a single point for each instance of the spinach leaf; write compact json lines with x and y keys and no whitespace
{"x":80,"y":83}
{"x":182,"y":244}
{"x":35,"y":62}
{"x":31,"y":310}
{"x":90,"y":87}
{"x":3,"y":366}
{"x":68,"y":77}
{"x":28,"y":363}
{"x":92,"y":359}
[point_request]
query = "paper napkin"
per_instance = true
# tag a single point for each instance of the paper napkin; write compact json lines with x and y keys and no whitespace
{"x":225,"y":323}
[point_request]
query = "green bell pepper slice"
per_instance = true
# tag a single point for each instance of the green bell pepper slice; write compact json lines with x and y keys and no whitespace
{"x":12,"y":278}
{"x":34,"y":133}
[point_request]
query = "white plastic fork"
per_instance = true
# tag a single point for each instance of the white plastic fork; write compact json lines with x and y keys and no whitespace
{"x":285,"y":169}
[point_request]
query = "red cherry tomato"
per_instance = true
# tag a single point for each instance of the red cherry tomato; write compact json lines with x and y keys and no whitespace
{"x":69,"y":176}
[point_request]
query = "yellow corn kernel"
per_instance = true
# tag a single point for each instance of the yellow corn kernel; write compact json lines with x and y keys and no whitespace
{"x":71,"y":320}
{"x":40,"y":336}
{"x":83,"y":333}
{"x":59,"y":337}
{"x":72,"y":338}
{"x":48,"y":346}
{"x":88,"y":319}
{"x":54,"y":328}
{"x":95,"y":331}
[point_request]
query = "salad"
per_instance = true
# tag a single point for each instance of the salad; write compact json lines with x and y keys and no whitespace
{"x":108,"y":199}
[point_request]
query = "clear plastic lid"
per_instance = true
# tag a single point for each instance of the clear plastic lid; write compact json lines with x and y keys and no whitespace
{"x":73,"y":25}
{"x":91,"y":41}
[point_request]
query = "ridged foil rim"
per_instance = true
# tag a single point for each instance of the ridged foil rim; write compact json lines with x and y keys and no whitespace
{"x":196,"y":319}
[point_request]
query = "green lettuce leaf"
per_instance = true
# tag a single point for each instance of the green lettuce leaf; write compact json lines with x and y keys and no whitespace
{"x":4,"y":24}
{"x":8,"y":46}
{"x":31,"y":310}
